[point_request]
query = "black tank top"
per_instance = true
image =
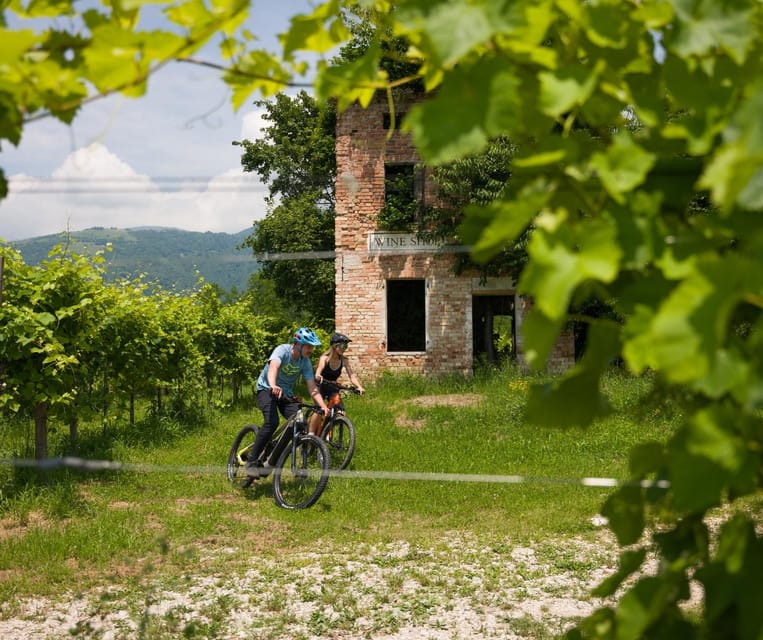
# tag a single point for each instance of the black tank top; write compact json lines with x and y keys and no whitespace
{"x":332,"y":375}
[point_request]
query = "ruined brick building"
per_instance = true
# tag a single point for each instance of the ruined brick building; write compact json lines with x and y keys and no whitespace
{"x":396,"y":296}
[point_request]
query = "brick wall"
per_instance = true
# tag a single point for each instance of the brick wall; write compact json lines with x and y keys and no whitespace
{"x":363,"y":147}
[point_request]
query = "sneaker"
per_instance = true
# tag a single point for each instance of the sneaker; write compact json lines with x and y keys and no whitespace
{"x":253,"y":469}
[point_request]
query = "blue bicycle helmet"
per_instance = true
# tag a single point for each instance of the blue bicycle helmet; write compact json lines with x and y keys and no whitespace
{"x":303,"y":335}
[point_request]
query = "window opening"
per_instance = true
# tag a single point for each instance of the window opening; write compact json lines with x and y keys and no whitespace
{"x":387,"y":120}
{"x":406,"y":315}
{"x":403,"y":196}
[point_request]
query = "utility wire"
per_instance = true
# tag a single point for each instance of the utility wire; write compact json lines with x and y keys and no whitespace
{"x":68,"y":462}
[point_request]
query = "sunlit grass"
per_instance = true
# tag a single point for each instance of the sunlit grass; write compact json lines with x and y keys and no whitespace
{"x":72,"y":527}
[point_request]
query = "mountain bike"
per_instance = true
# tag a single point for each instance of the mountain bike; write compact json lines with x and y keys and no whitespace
{"x":337,"y":430}
{"x":300,"y":462}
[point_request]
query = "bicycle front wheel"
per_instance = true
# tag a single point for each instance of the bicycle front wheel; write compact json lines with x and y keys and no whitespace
{"x":237,"y":457}
{"x":301,"y":473}
{"x":340,"y":440}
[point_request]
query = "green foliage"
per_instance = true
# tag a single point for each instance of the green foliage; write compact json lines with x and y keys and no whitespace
{"x":296,"y":157}
{"x":476,"y":180}
{"x":48,"y":317}
{"x":304,"y":287}
{"x":400,"y":210}
{"x":73,"y":347}
{"x":624,"y":116}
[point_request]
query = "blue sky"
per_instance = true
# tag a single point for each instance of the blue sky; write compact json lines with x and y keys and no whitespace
{"x":162,"y":160}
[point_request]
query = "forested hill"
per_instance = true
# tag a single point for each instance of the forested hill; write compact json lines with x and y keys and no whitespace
{"x":171,"y":257}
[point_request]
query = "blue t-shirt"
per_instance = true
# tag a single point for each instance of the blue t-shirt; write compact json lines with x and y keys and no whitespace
{"x":288,"y":372}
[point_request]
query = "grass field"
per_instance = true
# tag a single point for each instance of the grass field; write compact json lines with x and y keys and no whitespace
{"x":70,"y":534}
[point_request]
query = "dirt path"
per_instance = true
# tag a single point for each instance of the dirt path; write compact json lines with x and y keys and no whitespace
{"x":460,"y":590}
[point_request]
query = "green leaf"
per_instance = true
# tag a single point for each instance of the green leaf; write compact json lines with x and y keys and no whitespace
{"x":49,"y":8}
{"x":646,"y":98}
{"x":605,"y":24}
{"x":731,"y":580}
{"x":448,"y":32}
{"x":701,"y":96}
{"x":734,"y":541}
{"x":355,"y":81}
{"x":319,"y":31}
{"x":735,"y":174}
{"x":111,"y":59}
{"x":547,"y":152}
{"x":623,"y":166}
{"x":10,"y":122}
{"x":625,"y":511}
{"x":565,"y":255}
{"x":451,"y":29}
{"x":540,"y":333}
{"x":646,"y":459}
{"x":708,"y":437}
{"x":704,"y":26}
{"x":685,"y":544}
{"x":45,"y":318}
{"x":630,"y":562}
{"x":492,"y":227}
{"x":565,"y":88}
{"x":681,"y":338}
{"x":639,"y":608}
{"x":574,"y":399}
{"x":490,"y":103}
{"x":15,"y":45}
{"x":705,"y":459}
{"x":729,"y":372}
{"x":189,"y":14}
{"x":257,"y":70}
{"x":637,"y":235}
{"x":673,"y":179}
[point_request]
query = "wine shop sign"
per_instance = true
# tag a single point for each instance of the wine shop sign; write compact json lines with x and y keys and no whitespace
{"x":392,"y":243}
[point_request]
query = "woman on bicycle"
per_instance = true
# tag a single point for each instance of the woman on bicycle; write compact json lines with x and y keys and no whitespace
{"x":330,"y":366}
{"x":275,"y":388}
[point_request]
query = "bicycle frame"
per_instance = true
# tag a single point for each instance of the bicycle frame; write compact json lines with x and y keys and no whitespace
{"x":286,"y":432}
{"x":291,"y":428}
{"x":334,"y":406}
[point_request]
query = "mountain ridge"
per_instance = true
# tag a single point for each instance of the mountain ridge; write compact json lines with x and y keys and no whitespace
{"x":171,"y":257}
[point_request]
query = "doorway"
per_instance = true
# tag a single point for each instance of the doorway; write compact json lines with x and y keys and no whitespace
{"x":493,"y":328}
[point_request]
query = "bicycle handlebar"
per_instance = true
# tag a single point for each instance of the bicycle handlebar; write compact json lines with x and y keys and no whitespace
{"x":343,"y":387}
{"x":310,"y":406}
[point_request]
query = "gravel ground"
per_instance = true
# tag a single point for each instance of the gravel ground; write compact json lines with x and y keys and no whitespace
{"x":462,"y":589}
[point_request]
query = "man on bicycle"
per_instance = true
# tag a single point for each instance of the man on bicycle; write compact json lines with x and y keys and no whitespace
{"x":275,"y":389}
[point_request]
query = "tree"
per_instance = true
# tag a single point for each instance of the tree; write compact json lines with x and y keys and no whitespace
{"x":297,"y":158}
{"x":611,"y":210}
{"x":477,"y":179}
{"x":49,"y":315}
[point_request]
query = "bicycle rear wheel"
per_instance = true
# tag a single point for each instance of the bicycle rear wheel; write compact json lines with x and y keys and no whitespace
{"x":340,"y":440}
{"x":302,"y":473}
{"x":237,"y":457}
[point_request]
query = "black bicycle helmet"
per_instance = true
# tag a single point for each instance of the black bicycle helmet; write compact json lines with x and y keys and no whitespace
{"x":338,"y":338}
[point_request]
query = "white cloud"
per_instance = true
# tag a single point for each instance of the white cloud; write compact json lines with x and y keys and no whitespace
{"x":252,"y":125}
{"x":93,"y":187}
{"x":165,"y":159}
